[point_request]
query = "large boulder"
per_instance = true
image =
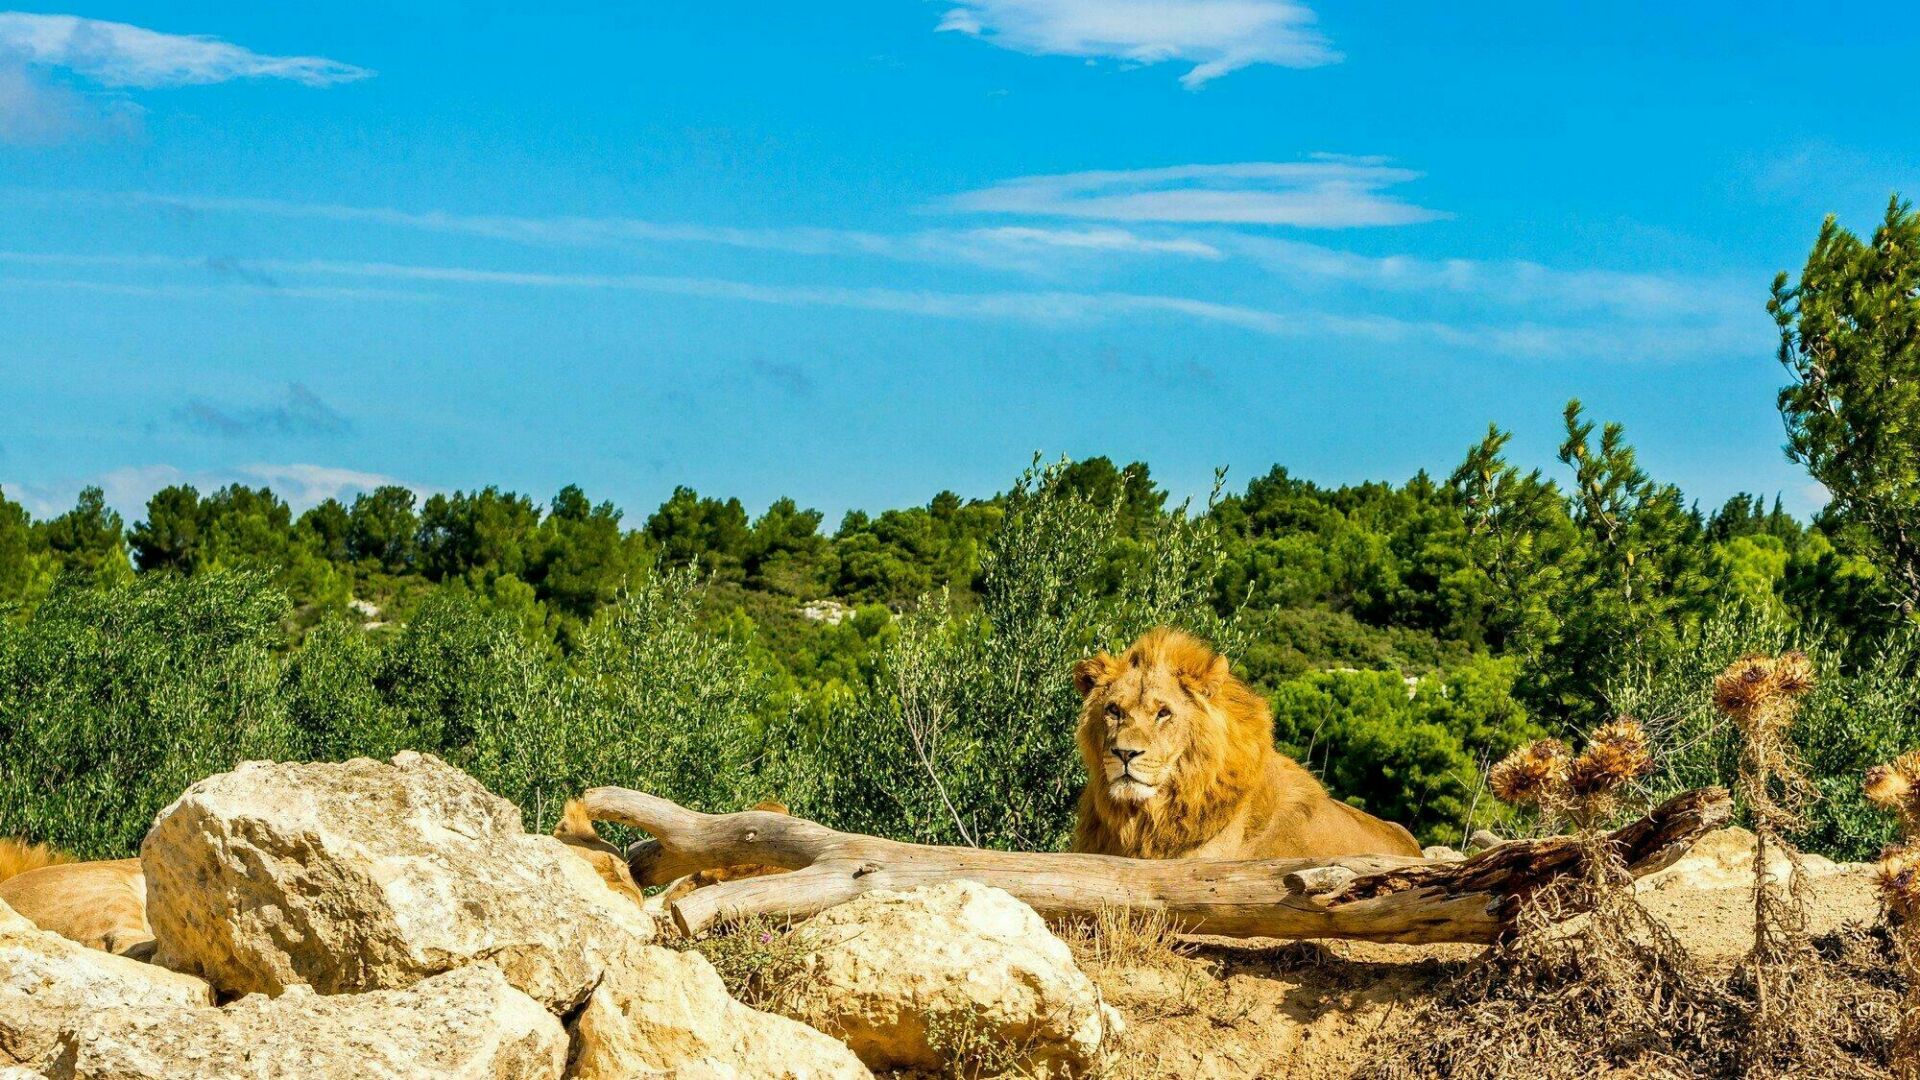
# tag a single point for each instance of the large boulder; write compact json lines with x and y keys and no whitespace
{"x":366,"y":875}
{"x":667,"y":1015}
{"x":49,"y":984}
{"x":467,"y":1024}
{"x":907,"y":977}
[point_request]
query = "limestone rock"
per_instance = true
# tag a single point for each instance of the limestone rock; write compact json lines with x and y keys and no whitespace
{"x":1723,"y":859}
{"x":48,"y":984}
{"x":900,"y":975}
{"x":1482,"y":839}
{"x":666,"y":1014}
{"x":364,"y":875}
{"x":467,"y":1024}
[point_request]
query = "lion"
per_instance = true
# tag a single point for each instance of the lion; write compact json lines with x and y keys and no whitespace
{"x":1181,"y":764}
{"x":102,"y":905}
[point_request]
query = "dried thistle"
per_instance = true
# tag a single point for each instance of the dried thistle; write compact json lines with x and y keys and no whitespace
{"x":1533,"y":775}
{"x":1616,"y":755}
{"x":1793,"y":673}
{"x":1744,"y":685}
{"x":1895,"y":788}
{"x":1898,"y":875}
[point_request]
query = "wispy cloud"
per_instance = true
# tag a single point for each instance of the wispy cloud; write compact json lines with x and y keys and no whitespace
{"x":1325,"y":192}
{"x":299,"y":412}
{"x":37,"y":112}
{"x":1514,"y":283}
{"x":1031,"y":249}
{"x":1216,"y":36}
{"x":1677,"y":333}
{"x":122,"y":55}
{"x":48,"y":62}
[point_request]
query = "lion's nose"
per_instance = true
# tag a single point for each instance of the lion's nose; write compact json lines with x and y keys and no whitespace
{"x":1126,"y":756}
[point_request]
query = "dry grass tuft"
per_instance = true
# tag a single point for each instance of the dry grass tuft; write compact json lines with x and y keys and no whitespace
{"x":1123,"y":937}
{"x":757,"y":959}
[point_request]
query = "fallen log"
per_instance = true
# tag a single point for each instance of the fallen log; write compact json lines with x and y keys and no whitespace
{"x":1370,"y":898}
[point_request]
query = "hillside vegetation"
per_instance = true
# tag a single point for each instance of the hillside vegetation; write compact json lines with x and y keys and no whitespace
{"x":906,"y":672}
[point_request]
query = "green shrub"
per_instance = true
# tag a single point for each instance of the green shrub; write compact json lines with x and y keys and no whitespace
{"x":114,"y":699}
{"x":1408,"y":753}
{"x":649,"y":702}
{"x":1864,"y":710}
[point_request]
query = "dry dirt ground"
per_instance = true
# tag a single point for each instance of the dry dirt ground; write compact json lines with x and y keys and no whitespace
{"x":1207,"y":1007}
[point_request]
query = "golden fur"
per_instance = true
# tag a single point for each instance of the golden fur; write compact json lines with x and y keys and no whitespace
{"x":102,"y":905}
{"x":18,"y":857}
{"x":1196,"y":774}
{"x":577,"y":832}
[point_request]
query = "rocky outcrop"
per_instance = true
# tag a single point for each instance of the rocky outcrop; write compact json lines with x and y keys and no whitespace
{"x":367,"y":875}
{"x":49,"y":984}
{"x":905,"y":977}
{"x":666,"y":1014}
{"x":467,"y":1024}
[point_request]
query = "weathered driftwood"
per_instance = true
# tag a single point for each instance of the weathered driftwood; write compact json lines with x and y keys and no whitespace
{"x":1373,"y":898}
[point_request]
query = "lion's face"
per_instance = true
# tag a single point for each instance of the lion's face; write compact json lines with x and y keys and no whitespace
{"x":1139,"y":722}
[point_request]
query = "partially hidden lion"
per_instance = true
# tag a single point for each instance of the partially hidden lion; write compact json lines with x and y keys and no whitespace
{"x":1181,"y":764}
{"x":577,"y":832}
{"x":102,"y":905}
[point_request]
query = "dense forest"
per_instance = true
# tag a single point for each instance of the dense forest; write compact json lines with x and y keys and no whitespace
{"x":906,"y":672}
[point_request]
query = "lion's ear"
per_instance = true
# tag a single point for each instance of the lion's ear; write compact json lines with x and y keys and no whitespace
{"x":1094,"y":671}
{"x":1208,"y":683}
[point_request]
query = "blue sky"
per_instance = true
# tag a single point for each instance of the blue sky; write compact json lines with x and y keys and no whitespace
{"x":862,"y":252}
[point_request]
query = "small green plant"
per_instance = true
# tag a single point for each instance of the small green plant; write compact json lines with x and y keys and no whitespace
{"x":970,"y":1049}
{"x":757,"y":959}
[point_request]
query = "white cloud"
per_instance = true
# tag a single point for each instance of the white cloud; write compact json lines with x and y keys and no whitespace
{"x":35,"y":111}
{"x":1326,"y":192}
{"x":122,"y":55}
{"x":41,"y":54}
{"x":1217,"y":36}
{"x":308,"y":485}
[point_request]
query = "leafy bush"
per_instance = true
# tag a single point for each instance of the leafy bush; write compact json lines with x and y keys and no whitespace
{"x":651,"y":701}
{"x":113,"y":701}
{"x":964,"y":733}
{"x":1408,"y":753}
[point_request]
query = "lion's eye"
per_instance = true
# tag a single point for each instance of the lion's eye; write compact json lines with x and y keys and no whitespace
{"x":1114,"y":712}
{"x":1165,"y":714}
